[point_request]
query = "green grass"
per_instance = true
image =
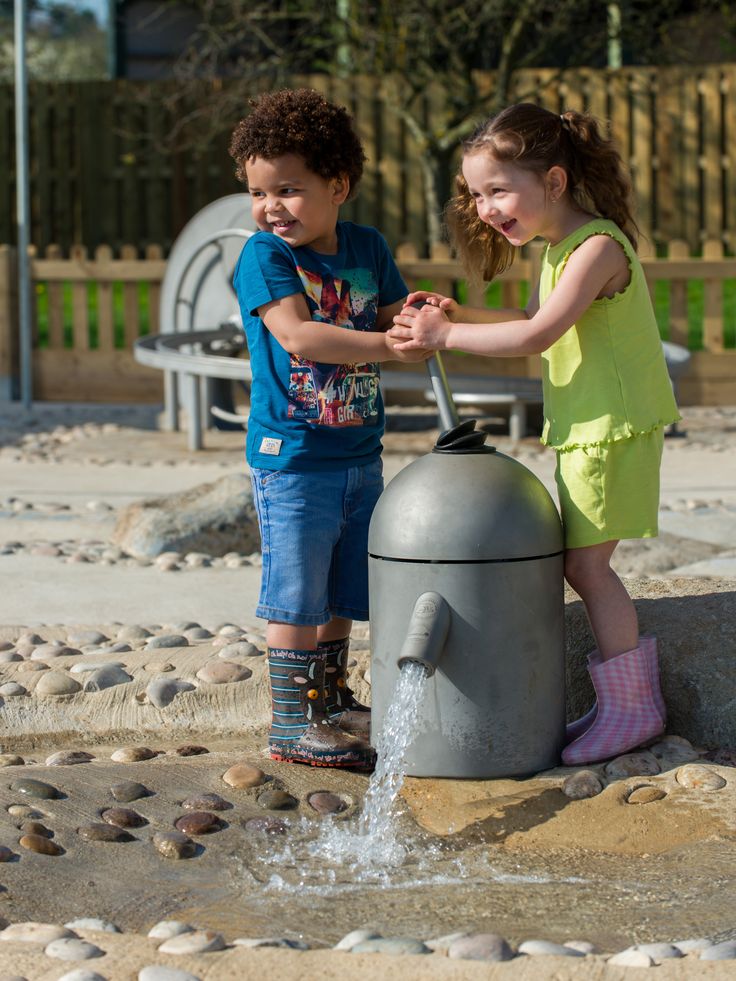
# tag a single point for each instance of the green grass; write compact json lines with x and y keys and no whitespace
{"x":118,"y":307}
{"x":695,"y":307}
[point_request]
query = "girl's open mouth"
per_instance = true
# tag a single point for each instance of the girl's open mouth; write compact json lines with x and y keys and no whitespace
{"x":508,"y":225}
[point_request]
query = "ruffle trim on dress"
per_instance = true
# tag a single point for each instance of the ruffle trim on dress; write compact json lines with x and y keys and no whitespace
{"x":631,"y":433}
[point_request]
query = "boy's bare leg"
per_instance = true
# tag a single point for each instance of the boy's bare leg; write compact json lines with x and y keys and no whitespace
{"x":611,"y":611}
{"x":286,"y":635}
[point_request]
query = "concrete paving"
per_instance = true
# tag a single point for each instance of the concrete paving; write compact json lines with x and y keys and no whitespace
{"x":100,"y":471}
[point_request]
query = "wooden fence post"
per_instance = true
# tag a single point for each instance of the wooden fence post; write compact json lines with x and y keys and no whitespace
{"x":9,"y":370}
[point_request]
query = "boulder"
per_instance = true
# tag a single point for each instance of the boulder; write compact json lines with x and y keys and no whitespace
{"x":215,"y":518}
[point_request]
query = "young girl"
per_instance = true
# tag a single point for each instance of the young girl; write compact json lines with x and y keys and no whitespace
{"x":529,"y":172}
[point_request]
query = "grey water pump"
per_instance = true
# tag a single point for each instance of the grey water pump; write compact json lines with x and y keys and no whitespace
{"x":466,"y":577}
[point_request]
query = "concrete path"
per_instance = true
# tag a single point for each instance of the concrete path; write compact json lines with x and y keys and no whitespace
{"x":67,"y":486}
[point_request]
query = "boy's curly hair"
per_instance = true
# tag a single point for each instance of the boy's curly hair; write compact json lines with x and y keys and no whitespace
{"x":302,"y":122}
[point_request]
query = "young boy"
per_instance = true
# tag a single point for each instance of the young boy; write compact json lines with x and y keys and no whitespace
{"x":316,"y":296}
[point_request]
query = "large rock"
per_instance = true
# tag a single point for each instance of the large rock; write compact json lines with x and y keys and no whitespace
{"x":694,"y":622}
{"x":215,"y":518}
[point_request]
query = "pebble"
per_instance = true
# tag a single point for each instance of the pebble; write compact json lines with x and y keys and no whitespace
{"x":643,"y":764}
{"x":197,"y":633}
{"x":81,"y":974}
{"x":725,"y":951}
{"x":162,"y":691}
{"x":165,"y":929}
{"x":97,"y":831}
{"x":284,"y":942}
{"x":173,"y":844}
{"x":35,"y":788}
{"x":33,"y":932}
{"x":133,"y":633}
{"x":277,"y":800}
{"x":698,"y":777}
{"x":133,"y":754}
{"x":107,"y":677}
{"x":6,"y":854}
{"x":24,"y":811}
{"x":244,"y":775}
{"x":31,"y":666}
{"x":695,"y":944}
{"x":7,"y":657}
{"x":631,"y":957}
{"x":674,"y":749}
{"x":73,"y":949}
{"x":646,"y":795}
{"x":395,"y":946}
{"x":156,"y":972}
{"x":12,"y":688}
{"x":323,"y":802}
{"x":659,"y":951}
{"x":56,"y":683}
{"x":536,"y":948}
{"x":241,"y":648}
{"x":582,"y":785}
{"x":35,"y":828}
{"x":206,"y":802}
{"x":223,"y":673}
{"x":92,"y":923}
{"x":190,"y":749}
{"x":123,"y":817}
{"x":52,"y":649}
{"x":266,"y":825}
{"x":70,"y":757}
{"x":198,"y":823}
{"x":356,"y":937}
{"x":10,"y":759}
{"x":481,"y":947}
{"x":129,"y":790}
{"x":194,"y":942}
{"x":166,"y":640}
{"x":80,"y":638}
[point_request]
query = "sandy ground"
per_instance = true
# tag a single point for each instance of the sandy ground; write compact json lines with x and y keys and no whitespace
{"x":93,"y":462}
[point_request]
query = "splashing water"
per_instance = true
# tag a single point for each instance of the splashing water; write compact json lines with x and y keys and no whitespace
{"x":373,"y":842}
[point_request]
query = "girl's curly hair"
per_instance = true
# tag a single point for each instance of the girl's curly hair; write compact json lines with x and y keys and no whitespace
{"x":536,"y":139}
{"x":302,"y":122}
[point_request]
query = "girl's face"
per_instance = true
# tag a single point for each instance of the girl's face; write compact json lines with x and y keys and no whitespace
{"x":514,"y":201}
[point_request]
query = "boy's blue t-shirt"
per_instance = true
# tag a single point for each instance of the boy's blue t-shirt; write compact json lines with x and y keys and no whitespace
{"x":308,"y":415}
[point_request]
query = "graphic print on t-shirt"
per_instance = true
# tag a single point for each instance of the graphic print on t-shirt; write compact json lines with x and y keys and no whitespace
{"x":341,"y":394}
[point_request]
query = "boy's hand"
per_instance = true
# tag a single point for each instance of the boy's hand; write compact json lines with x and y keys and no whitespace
{"x":415,"y":330}
{"x":445,"y":303}
{"x":408,"y":357}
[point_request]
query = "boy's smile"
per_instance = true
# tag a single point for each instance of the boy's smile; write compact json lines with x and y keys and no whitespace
{"x":294,"y":203}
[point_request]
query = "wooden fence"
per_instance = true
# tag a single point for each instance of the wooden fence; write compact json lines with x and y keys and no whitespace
{"x":99,"y":174}
{"x":89,"y":310}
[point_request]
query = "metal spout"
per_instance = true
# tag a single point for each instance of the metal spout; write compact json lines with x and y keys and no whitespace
{"x":428,"y":627}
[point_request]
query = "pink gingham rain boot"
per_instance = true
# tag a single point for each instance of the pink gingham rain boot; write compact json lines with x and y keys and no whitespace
{"x":648,"y":645}
{"x":581,"y":725}
{"x":627,"y":714}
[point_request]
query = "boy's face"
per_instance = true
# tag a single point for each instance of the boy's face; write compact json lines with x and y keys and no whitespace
{"x":294,"y":203}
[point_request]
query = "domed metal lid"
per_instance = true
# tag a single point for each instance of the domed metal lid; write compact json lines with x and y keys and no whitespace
{"x":465,"y":502}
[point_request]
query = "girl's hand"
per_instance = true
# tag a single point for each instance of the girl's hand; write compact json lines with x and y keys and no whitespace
{"x":416,"y":329}
{"x":445,"y":303}
{"x":409,"y":357}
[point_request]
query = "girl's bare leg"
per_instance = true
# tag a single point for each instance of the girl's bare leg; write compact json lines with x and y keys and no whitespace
{"x":611,"y":611}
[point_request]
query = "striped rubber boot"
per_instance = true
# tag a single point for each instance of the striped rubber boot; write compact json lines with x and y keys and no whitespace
{"x":342,"y":706}
{"x":301,"y":730}
{"x":627,"y":713}
{"x":648,"y":645}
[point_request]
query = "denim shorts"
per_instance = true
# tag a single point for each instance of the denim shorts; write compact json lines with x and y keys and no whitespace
{"x":314,"y":542}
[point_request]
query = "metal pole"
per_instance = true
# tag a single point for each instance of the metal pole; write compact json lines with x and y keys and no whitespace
{"x":22,"y":197}
{"x":442,"y":395}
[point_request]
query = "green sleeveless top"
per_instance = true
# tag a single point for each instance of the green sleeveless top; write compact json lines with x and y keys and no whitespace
{"x":606,"y":378}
